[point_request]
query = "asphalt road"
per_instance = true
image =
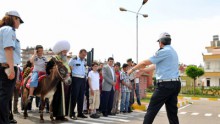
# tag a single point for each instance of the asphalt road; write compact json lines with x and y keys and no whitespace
{"x":200,"y":112}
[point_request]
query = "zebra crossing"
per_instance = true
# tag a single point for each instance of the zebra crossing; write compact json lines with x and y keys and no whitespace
{"x":118,"y":119}
{"x":199,"y":114}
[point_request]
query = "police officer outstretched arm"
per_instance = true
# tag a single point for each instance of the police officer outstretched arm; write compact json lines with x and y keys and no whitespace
{"x":165,"y":63}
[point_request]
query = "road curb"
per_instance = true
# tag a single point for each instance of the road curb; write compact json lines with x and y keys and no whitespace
{"x":143,"y":106}
{"x":198,"y":98}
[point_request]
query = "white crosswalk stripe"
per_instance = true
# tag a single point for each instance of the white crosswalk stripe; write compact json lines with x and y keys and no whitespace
{"x":195,"y":114}
{"x":201,"y":114}
{"x":99,"y":120}
{"x":114,"y":119}
{"x":208,"y":114}
{"x":122,"y":117}
{"x":182,"y":113}
{"x":86,"y":122}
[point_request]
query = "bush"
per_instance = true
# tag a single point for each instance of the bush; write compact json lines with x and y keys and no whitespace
{"x":151,"y":88}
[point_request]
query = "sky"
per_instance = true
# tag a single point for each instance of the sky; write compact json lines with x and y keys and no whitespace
{"x":100,"y":25}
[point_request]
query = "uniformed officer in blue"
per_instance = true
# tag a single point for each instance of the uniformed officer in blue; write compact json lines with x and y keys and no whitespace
{"x":9,"y":58}
{"x":165,"y":62}
{"x":78,"y":66}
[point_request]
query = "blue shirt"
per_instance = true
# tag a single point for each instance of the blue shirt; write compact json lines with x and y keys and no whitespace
{"x":167,"y":63}
{"x":78,"y":66}
{"x":8,"y":39}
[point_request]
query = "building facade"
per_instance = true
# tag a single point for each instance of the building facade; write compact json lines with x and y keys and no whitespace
{"x":212,"y":63}
{"x":28,"y":52}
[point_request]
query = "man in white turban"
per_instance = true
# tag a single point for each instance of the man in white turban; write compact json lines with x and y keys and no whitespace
{"x":61,"y":96}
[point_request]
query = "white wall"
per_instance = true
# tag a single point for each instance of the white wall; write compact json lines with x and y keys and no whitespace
{"x":212,"y":66}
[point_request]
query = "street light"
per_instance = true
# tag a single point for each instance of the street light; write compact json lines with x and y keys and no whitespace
{"x":137,"y":13}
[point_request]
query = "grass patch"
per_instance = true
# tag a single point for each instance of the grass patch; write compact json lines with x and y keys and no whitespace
{"x":189,"y":95}
{"x":147,"y":100}
{"x":200,"y":96}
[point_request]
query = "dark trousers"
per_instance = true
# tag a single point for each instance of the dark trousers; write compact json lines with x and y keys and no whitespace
{"x":77,"y":95}
{"x":165,"y":93}
{"x":131,"y":101}
{"x":15,"y":95}
{"x":6,"y":90}
{"x":107,"y":101}
{"x":137,"y":90}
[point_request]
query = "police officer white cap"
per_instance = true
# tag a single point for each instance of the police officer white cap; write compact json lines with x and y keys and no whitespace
{"x":164,"y":36}
{"x":14,"y":13}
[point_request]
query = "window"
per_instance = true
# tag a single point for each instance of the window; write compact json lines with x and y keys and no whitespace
{"x":208,"y":82}
{"x":207,"y":65}
{"x":219,"y":82}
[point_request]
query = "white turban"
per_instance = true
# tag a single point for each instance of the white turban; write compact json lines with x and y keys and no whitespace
{"x":61,"y":46}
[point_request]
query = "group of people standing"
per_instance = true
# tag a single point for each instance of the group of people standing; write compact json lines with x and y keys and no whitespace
{"x":107,"y":85}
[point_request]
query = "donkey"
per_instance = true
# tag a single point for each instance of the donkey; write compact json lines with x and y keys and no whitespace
{"x":46,"y":88}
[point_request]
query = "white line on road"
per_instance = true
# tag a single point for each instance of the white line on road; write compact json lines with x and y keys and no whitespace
{"x":195,"y":114}
{"x":208,"y":114}
{"x":125,"y":115}
{"x":99,"y":120}
{"x":182,"y":113}
{"x":118,"y":117}
{"x":114,"y":119}
{"x":184,"y":107}
{"x":86,"y":122}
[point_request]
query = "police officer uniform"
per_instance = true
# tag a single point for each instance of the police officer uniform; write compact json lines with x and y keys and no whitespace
{"x":168,"y":83}
{"x":7,"y":39}
{"x":77,"y":86}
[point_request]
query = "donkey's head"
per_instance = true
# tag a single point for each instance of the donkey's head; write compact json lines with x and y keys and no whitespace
{"x":57,"y":69}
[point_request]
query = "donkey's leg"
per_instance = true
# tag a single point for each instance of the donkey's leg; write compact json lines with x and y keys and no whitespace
{"x":42,"y":108}
{"x":25,"y":102}
{"x":51,"y":107}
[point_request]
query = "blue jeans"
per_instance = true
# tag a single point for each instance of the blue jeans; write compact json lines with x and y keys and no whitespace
{"x":125,"y":97}
{"x":34,"y":79}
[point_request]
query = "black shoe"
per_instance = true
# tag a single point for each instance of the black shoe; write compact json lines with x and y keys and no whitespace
{"x":61,"y":118}
{"x":15,"y":112}
{"x":113,"y":114}
{"x":105,"y":115}
{"x":13,"y":121}
{"x":82,"y":116}
{"x":94,"y":116}
{"x":139,"y":102}
{"x":130,"y":111}
{"x":85,"y":112}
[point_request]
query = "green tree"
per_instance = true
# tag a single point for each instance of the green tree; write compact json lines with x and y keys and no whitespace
{"x":194,"y":72}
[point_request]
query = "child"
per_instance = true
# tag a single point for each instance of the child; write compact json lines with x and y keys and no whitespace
{"x":94,"y":96}
{"x":125,"y":89}
{"x":38,"y":61}
{"x":117,"y":66}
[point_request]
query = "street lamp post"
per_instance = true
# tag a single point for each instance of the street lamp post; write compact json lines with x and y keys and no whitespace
{"x":137,"y":14}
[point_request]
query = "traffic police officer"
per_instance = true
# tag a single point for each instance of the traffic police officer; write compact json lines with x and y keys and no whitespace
{"x":78,"y":65}
{"x":9,"y":58}
{"x":165,"y":62}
